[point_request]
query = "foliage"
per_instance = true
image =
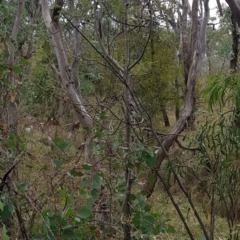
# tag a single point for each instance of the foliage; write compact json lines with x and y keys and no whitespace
{"x":223,"y":90}
{"x":154,"y":77}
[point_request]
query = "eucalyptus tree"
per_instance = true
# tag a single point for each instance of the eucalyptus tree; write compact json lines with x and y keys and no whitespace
{"x":69,"y":77}
{"x":192,"y":55}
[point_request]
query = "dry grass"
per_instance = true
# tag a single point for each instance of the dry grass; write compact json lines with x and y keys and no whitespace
{"x":160,"y":202}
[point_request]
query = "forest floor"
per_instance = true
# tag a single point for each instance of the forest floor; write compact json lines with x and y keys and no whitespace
{"x":46,"y":170}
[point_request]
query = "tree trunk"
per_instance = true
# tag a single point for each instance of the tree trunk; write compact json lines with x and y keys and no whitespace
{"x":165,"y":115}
{"x":179,"y":127}
{"x":235,"y":39}
{"x":64,"y":69}
{"x":189,"y":100}
{"x":128,"y":102}
{"x":235,"y":9}
{"x":177,"y":99}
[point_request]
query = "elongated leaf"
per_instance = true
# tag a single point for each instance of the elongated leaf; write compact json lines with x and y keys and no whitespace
{"x":4,"y":233}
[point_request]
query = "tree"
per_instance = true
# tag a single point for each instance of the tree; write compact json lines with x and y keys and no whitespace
{"x":235,"y":8}
{"x":191,"y":63}
{"x":68,"y":77}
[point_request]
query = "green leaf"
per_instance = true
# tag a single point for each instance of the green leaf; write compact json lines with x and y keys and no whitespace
{"x":89,"y":204}
{"x":202,"y":238}
{"x":22,"y":186}
{"x":170,"y":229}
{"x":4,"y":233}
{"x":74,"y":173}
{"x":144,"y":193}
{"x":57,"y":163}
{"x":96,"y":185}
{"x":151,"y":160}
{"x":16,"y":69}
{"x":4,"y":10}
{"x":149,"y":219}
{"x":60,"y":143}
{"x":11,"y":141}
{"x":5,"y":214}
{"x":133,"y":197}
{"x":136,"y":220}
{"x":96,"y":181}
{"x":67,"y":213}
{"x":84,"y":213}
{"x":86,"y":166}
{"x":84,"y":182}
{"x":62,"y":193}
{"x":151,"y":178}
{"x":83,"y":192}
{"x":147,"y":208}
{"x":68,"y":234}
{"x":3,"y":67}
{"x":94,"y":194}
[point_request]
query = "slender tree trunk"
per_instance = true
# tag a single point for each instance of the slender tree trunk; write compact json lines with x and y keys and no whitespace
{"x":165,"y":115}
{"x":64,"y":69}
{"x":77,"y":50}
{"x":177,"y":99}
{"x":128,"y":102}
{"x":235,"y":9}
{"x":235,"y":39}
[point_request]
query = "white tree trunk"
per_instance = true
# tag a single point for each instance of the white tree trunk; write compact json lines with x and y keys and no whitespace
{"x":66,"y":74}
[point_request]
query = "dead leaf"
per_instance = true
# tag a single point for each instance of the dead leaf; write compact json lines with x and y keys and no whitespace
{"x":4,"y":126}
{"x":12,"y":97}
